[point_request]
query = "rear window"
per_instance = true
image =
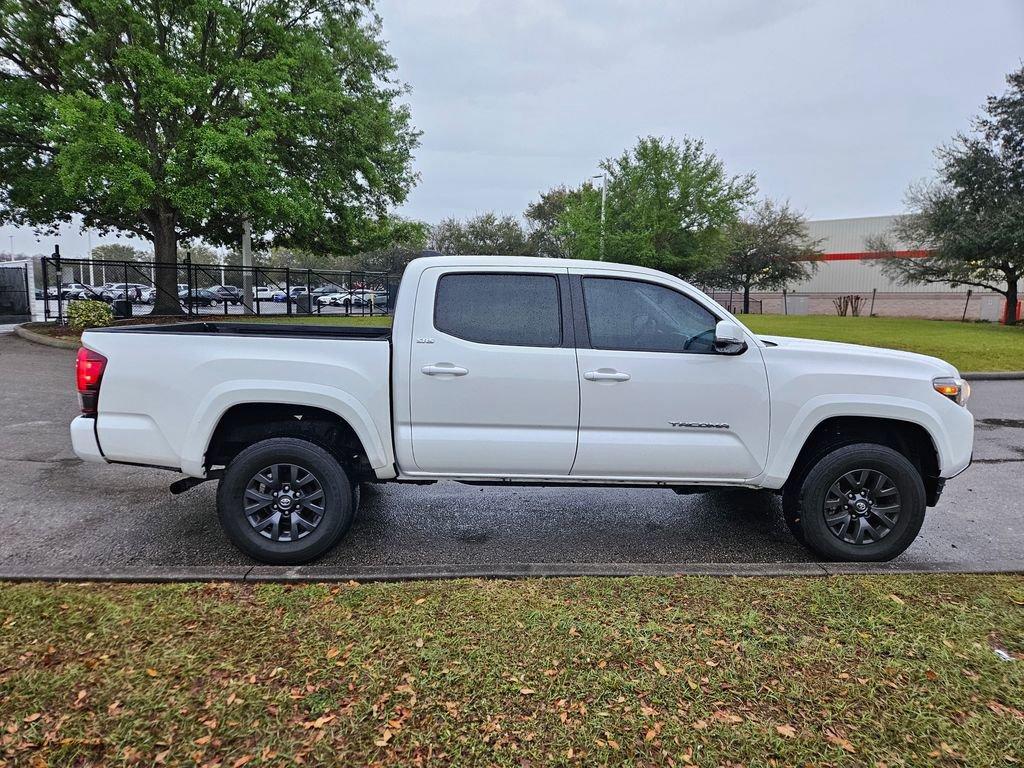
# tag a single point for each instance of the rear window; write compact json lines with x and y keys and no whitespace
{"x":497,"y":308}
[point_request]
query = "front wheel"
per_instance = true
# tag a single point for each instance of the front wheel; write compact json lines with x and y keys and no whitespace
{"x":860,"y":502}
{"x":285,"y":501}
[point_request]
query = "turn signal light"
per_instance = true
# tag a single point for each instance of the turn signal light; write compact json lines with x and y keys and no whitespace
{"x":88,"y":373}
{"x":956,"y":390}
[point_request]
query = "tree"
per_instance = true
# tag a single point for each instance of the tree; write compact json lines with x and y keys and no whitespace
{"x":410,"y":242}
{"x":177,"y":120}
{"x":486,"y":234}
{"x":669,"y":206}
{"x":970,"y":221}
{"x":768,"y":248}
{"x":544,"y":218}
{"x":119,"y":252}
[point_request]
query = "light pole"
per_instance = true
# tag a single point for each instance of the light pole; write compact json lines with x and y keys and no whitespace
{"x":247,"y":281}
{"x":604,"y":196}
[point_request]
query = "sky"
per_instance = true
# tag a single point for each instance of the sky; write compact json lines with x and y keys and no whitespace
{"x":836,"y":106}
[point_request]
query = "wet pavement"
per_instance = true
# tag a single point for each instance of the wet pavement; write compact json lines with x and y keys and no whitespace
{"x":62,"y":514}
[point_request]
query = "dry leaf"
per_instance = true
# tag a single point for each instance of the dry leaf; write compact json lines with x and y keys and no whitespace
{"x":333,"y":652}
{"x":527,"y":691}
{"x":896,"y":599}
{"x":661,"y":668}
{"x":152,"y":672}
{"x":786,"y":730}
{"x":242,"y":761}
{"x":32,"y":718}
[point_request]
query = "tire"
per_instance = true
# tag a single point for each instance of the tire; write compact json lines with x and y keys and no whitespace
{"x":256,"y":539}
{"x":874,"y":521}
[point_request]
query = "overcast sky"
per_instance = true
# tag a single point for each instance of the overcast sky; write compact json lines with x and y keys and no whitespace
{"x":834,"y":105}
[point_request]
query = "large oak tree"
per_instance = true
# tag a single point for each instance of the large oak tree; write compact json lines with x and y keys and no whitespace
{"x":970,"y":221}
{"x":177,"y":120}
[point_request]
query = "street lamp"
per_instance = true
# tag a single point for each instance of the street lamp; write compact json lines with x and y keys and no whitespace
{"x":604,"y":196}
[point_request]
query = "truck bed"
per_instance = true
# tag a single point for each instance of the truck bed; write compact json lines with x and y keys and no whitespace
{"x":273,"y":330}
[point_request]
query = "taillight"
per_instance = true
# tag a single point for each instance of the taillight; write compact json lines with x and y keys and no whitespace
{"x":88,"y":373}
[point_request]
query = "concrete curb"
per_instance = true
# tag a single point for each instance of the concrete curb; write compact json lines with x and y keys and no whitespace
{"x":48,"y":341}
{"x":993,"y":375}
{"x":315,"y":573}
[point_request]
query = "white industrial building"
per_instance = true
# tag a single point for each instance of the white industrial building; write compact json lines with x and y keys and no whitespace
{"x":849,"y":267}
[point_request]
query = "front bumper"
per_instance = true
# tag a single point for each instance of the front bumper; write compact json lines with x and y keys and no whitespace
{"x":84,"y":442}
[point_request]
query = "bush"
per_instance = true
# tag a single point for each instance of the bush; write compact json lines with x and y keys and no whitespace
{"x":89,"y":314}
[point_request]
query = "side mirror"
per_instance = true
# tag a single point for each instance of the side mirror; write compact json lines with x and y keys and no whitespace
{"x":729,"y":338}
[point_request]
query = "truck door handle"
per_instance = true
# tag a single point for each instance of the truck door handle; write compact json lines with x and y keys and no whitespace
{"x":444,"y":369}
{"x":605,"y":374}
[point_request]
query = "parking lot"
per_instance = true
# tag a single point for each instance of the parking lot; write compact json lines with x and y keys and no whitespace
{"x":62,"y":514}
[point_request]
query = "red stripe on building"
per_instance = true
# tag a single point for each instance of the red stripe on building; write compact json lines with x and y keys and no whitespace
{"x":860,"y":255}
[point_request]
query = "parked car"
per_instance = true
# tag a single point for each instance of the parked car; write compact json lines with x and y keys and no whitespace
{"x":324,"y":290}
{"x":227,"y":293}
{"x":264,"y":293}
{"x":85,"y":292}
{"x":66,"y":289}
{"x":533,"y":372}
{"x":199,"y":297}
{"x":112,"y":291}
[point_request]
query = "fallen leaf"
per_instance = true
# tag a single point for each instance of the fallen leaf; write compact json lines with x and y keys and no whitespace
{"x":786,"y":730}
{"x":839,"y":741}
{"x":661,"y":668}
{"x":419,"y":642}
{"x":33,"y":717}
{"x":896,"y":599}
{"x":421,"y":601}
{"x":384,"y":738}
{"x":152,"y":672}
{"x":333,"y":652}
{"x":527,"y":691}
{"x":242,"y":761}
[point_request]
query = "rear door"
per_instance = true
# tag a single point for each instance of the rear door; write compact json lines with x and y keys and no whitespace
{"x":493,"y":379}
{"x":657,"y":400}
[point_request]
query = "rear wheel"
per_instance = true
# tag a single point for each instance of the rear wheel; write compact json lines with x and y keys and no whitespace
{"x":285,"y":501}
{"x":860,"y":502}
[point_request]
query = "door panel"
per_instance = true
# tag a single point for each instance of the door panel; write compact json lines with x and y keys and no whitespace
{"x":688,"y":414}
{"x":481,"y":406}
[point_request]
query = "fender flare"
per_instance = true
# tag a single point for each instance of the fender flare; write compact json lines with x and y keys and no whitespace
{"x":221,"y":398}
{"x":785,"y":448}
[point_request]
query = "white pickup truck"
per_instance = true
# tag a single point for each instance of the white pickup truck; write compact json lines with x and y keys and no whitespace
{"x":507,"y":370}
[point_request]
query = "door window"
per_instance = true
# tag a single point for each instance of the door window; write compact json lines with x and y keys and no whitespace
{"x":499,"y":308}
{"x":634,"y":315}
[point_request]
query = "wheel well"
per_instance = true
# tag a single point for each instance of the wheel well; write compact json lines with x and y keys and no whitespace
{"x":249,"y":423}
{"x":911,"y":440}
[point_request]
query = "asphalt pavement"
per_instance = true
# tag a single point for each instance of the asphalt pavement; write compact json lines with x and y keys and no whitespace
{"x":64,"y":516}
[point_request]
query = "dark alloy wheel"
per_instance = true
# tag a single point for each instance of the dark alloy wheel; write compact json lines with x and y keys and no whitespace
{"x":860,"y":502}
{"x":285,"y":501}
{"x":862,"y":506}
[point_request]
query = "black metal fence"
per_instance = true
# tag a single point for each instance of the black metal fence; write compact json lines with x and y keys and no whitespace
{"x":140,"y":288}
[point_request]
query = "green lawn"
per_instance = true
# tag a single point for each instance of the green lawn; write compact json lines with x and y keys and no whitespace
{"x":968,"y":346}
{"x":894,"y":670}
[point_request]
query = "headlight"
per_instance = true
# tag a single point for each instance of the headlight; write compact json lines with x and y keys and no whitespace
{"x":955,"y":389}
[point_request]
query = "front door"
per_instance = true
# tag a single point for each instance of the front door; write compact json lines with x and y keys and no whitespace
{"x":656,"y":400}
{"x":493,"y":382}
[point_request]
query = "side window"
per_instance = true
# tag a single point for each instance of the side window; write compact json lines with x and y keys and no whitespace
{"x":633,"y":315}
{"x":499,"y":308}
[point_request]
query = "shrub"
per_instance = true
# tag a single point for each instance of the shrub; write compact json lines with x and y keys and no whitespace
{"x":89,"y":314}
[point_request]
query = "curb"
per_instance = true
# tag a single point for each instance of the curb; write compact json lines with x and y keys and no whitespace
{"x":993,"y":375}
{"x":48,"y":341}
{"x":310,"y":574}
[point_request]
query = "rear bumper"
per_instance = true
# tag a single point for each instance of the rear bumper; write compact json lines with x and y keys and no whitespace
{"x":84,"y":442}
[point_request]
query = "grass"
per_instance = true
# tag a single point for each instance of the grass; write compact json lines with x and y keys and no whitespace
{"x":880,"y":670}
{"x":968,"y":346}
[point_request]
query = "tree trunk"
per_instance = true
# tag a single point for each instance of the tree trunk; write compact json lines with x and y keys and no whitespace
{"x":1011,"y":316}
{"x":746,"y":298}
{"x":165,"y":250}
